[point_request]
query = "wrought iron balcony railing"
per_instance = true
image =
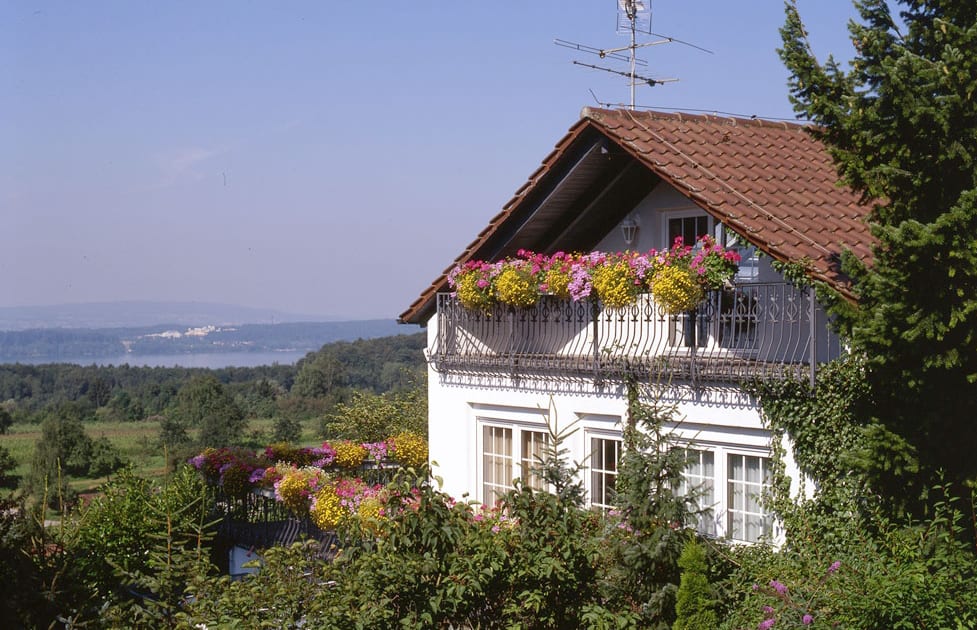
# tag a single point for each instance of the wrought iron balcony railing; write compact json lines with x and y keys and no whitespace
{"x":756,"y":330}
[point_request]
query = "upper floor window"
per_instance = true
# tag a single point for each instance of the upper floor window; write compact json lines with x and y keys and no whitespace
{"x":689,"y":227}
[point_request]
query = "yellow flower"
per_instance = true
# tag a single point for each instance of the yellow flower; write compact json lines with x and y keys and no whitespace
{"x":296,"y":487}
{"x":615,"y":283}
{"x":410,"y":449}
{"x":516,"y":287}
{"x":558,"y":283}
{"x":349,"y":454}
{"x":676,"y":289}
{"x":327,"y":510}
{"x":471,"y":295}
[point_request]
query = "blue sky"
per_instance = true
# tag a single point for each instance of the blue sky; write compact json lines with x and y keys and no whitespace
{"x":328,"y":158}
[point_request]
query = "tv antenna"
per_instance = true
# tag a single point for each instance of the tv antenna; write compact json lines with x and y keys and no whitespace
{"x":633,"y":18}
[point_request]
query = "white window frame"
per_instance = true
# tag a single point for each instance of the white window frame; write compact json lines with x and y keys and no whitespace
{"x":669,"y":215}
{"x":704,"y":486}
{"x":593,"y":470}
{"x":519,"y":466}
{"x":723,"y":510}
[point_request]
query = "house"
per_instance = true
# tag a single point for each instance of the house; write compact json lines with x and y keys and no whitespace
{"x":632,"y":180}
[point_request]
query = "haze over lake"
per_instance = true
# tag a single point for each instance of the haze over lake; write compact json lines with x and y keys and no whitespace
{"x":209,"y":360}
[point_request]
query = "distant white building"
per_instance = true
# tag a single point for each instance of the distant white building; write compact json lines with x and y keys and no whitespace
{"x":496,"y":380}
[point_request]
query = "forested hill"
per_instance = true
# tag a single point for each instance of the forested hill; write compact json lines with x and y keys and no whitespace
{"x":133,"y":393}
{"x":83,"y":344}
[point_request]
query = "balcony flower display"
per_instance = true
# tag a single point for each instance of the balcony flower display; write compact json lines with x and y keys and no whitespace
{"x":682,"y":275}
{"x":409,"y":449}
{"x":619,"y":278}
{"x":473,"y":283}
{"x":297,"y":486}
{"x":517,"y":284}
{"x":350,"y":454}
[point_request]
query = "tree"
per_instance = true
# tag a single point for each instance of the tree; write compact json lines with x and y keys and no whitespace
{"x":375,"y":417}
{"x":901,"y":125}
{"x":5,"y":420}
{"x":203,"y":403}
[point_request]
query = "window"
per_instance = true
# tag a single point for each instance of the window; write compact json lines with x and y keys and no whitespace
{"x":534,"y":445}
{"x":690,"y":228}
{"x":729,"y":501}
{"x":698,"y":480}
{"x":749,"y":258}
{"x":605,"y":454}
{"x":496,"y":463}
{"x":748,"y":477}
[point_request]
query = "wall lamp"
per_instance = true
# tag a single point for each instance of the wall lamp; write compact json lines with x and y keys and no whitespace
{"x":629,"y":229}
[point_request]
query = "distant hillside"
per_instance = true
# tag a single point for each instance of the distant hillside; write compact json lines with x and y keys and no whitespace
{"x":99,"y":315}
{"x":92,"y":344}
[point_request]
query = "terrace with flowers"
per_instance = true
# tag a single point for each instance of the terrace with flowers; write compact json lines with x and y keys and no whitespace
{"x":283,"y":492}
{"x":677,"y":314}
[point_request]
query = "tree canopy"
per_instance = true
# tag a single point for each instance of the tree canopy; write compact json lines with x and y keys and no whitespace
{"x":901,"y":124}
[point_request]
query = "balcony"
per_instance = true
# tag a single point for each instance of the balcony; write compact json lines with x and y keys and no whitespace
{"x":757,"y":330}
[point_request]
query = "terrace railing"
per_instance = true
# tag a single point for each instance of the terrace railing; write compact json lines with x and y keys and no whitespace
{"x":756,"y":330}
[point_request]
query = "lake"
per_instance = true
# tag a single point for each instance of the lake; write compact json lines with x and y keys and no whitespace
{"x":210,"y":360}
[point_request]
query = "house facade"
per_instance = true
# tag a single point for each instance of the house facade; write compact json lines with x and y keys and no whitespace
{"x":501,"y":379}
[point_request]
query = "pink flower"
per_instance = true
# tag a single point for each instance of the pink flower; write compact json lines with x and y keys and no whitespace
{"x":807,"y":620}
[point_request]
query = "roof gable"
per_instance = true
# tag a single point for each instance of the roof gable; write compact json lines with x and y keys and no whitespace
{"x":772,"y":183}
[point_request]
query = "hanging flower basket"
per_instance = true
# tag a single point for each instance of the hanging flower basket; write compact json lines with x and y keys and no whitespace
{"x":615,"y":278}
{"x":516,"y":286}
{"x":676,"y":289}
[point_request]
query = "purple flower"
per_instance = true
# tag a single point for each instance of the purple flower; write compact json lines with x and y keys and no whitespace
{"x":777,"y":586}
{"x":834,"y":566}
{"x":768,"y":610}
{"x":198,"y":461}
{"x":766,"y":624}
{"x":257,"y":475}
{"x":807,"y":620}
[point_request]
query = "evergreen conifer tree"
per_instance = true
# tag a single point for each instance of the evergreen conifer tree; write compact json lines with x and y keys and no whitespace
{"x":901,"y":124}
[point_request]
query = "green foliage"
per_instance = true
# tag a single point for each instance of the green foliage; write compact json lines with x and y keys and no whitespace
{"x":286,"y":593}
{"x":176,"y":555}
{"x":64,"y":449}
{"x":204,"y":404}
{"x":902,"y":128}
{"x":287,"y":429}
{"x":5,"y":420}
{"x":7,"y":466}
{"x":921,"y":575}
{"x":22,"y":600}
{"x":642,"y":561}
{"x":373,"y":417}
{"x":695,"y":601}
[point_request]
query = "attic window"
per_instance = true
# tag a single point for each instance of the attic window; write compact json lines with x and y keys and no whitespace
{"x":689,"y":227}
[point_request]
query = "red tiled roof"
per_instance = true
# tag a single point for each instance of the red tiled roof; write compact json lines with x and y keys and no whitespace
{"x":771,"y":182}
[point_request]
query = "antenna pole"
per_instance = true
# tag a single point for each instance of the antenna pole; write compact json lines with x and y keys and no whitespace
{"x":632,"y":17}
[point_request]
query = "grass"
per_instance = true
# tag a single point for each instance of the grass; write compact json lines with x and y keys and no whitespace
{"x":138,"y":444}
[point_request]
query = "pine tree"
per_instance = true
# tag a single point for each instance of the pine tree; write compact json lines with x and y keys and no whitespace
{"x":901,"y":124}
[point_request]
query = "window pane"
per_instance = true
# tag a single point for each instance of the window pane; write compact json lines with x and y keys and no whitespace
{"x":496,"y":463}
{"x":603,"y":471}
{"x":749,"y":479}
{"x":698,"y":483}
{"x":533,"y":451}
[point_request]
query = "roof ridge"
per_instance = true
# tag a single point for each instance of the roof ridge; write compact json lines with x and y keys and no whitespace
{"x":598,"y":114}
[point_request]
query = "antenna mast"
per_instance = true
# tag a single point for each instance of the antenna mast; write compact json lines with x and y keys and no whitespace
{"x":633,"y":17}
{"x":630,"y":9}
